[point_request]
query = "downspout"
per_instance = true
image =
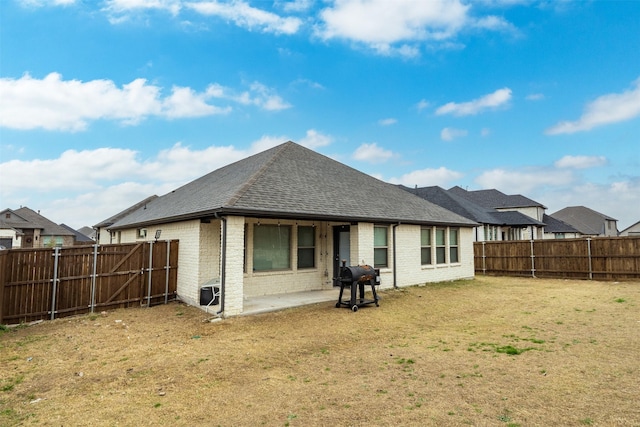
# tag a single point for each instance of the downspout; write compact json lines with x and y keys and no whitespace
{"x":395,"y":263}
{"x":223,"y":261}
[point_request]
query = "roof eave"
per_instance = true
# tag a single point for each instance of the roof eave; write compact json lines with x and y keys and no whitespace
{"x":226,"y":211}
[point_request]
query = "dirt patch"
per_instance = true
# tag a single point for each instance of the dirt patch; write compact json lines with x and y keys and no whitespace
{"x":492,"y":351}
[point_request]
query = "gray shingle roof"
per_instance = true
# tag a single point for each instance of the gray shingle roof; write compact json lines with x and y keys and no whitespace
{"x":25,"y":218}
{"x":115,"y":218}
{"x":290,"y":181}
{"x":495,"y":199}
{"x":585,"y":220}
{"x":450,"y":200}
{"x":554,"y":225}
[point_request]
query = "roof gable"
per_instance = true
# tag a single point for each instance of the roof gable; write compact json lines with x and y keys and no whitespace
{"x":495,"y":199}
{"x":291,"y":181}
{"x":585,"y":220}
{"x":29,"y":219}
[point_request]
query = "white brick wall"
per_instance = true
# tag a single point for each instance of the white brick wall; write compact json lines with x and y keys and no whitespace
{"x":200,"y":249}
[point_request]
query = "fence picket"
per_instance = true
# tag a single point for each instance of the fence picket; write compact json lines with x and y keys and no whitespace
{"x":602,"y":258}
{"x":49,"y":283}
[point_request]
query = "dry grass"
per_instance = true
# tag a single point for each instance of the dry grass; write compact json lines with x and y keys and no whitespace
{"x":430,"y":355}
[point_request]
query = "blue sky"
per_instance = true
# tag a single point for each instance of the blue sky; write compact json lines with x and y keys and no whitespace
{"x":104,"y":103}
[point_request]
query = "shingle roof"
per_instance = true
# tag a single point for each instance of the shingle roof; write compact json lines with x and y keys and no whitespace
{"x":115,"y":218}
{"x":495,"y":199}
{"x":450,"y":200}
{"x":25,"y":218}
{"x":555,"y":225}
{"x":585,"y":220}
{"x":290,"y":181}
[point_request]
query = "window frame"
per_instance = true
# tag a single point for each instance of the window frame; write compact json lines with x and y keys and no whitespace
{"x":441,"y":246}
{"x":454,"y":248}
{"x":311,"y":248}
{"x":378,"y":249}
{"x":426,"y":246}
{"x":283,"y":251}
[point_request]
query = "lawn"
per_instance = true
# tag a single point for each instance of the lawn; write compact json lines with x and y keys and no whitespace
{"x":487,"y":352}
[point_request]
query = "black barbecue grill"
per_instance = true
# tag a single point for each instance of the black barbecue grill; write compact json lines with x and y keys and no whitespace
{"x":357,"y":277}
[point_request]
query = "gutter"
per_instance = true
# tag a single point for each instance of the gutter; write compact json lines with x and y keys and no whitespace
{"x":223,"y":261}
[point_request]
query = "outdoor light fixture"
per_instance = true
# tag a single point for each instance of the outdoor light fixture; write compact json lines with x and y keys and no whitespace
{"x":158,"y":232}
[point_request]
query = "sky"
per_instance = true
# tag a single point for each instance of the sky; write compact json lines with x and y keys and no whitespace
{"x":104,"y":103}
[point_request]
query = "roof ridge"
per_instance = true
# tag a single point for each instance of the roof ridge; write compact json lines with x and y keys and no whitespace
{"x":247,"y":185}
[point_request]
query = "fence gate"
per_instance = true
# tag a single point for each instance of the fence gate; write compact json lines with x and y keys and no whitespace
{"x":48,"y":283}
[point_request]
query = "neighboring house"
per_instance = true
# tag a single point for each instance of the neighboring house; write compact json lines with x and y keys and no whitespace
{"x":284,"y":219}
{"x":587,"y":221}
{"x":102,"y":233}
{"x":556,"y":229}
{"x":88,"y":231}
{"x":80,"y":238}
{"x":25,"y":228}
{"x":493,"y":224}
{"x":632,"y":230}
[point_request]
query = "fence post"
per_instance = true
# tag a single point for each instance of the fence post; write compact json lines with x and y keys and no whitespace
{"x":3,"y":263}
{"x":166,"y":275}
{"x":589,"y":255}
{"x":533,"y":261}
{"x":93,"y":277}
{"x":484,"y":260}
{"x":150,"y":271}
{"x":56,"y":254}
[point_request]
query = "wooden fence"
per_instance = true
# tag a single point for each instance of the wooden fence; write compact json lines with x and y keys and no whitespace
{"x":600,"y":258}
{"x":40,"y":284}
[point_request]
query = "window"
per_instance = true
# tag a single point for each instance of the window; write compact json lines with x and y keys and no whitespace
{"x":453,"y":245}
{"x":380,"y":246}
{"x":271,"y":247}
{"x":440,"y":246}
{"x":306,"y":247}
{"x":425,"y":246}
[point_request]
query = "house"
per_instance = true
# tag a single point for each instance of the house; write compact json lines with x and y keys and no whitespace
{"x":632,"y":230}
{"x":80,"y":238}
{"x":556,"y":229}
{"x":587,"y":221}
{"x":25,"y":228}
{"x":115,"y":236}
{"x":88,"y":231}
{"x":499,"y":216}
{"x":284,"y":220}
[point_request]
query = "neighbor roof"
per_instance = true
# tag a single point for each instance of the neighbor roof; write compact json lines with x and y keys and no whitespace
{"x":450,"y":200}
{"x":554,"y":225}
{"x":25,"y":218}
{"x":496,"y":199}
{"x":290,"y":181}
{"x":585,"y":220}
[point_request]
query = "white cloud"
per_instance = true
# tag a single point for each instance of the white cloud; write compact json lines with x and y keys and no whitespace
{"x":314,"y":139}
{"x":428,"y":177}
{"x":604,"y":110}
{"x":449,"y":134}
{"x":387,"y":122}
{"x":535,"y":97}
{"x":491,"y":101}
{"x":246,"y":16}
{"x":295,"y":5}
{"x":422,"y":104}
{"x":119,"y":11}
{"x":371,"y":153}
{"x":396,"y":27}
{"x":523,"y":181}
{"x":580,"y":162}
{"x":69,"y":105}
